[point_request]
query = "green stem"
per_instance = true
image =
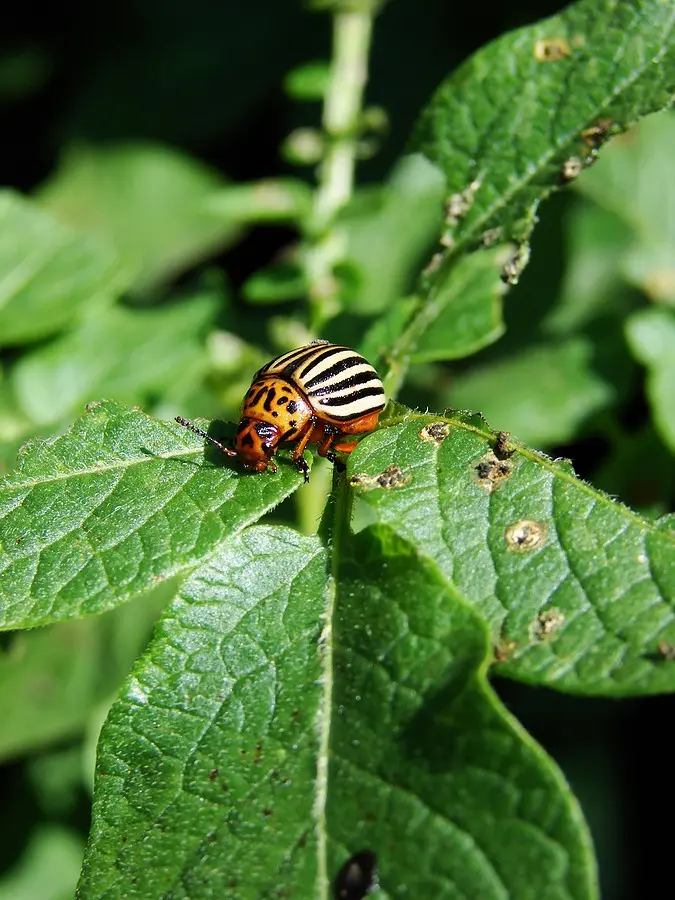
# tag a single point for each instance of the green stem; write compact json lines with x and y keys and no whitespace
{"x":344,"y":96}
{"x":334,"y":531}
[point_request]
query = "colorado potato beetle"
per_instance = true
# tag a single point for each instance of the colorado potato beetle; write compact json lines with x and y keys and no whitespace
{"x":316,"y":394}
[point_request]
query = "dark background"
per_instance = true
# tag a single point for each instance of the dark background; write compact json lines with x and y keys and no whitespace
{"x":206,"y":77}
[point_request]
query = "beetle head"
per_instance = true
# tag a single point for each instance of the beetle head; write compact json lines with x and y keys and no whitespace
{"x":256,"y":443}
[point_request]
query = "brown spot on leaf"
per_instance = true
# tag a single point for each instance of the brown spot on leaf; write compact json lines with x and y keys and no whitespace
{"x":503,"y":651}
{"x":525,"y":535}
{"x":502,"y":448}
{"x":666,"y":650}
{"x":547,"y":623}
{"x":490,"y":473}
{"x":595,"y":136}
{"x":570,"y":170}
{"x":435,"y":433}
{"x":552,"y":49}
{"x":392,"y":477}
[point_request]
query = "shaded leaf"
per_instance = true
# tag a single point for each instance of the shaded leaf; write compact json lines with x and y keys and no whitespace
{"x":578,"y":589}
{"x":48,"y":274}
{"x":308,"y":81}
{"x":133,"y":355}
{"x":146,"y":200}
{"x":596,"y":241}
{"x":633,"y":181}
{"x":52,"y":679}
{"x":48,"y":868}
{"x":389,"y":231}
{"x":651,"y":335}
{"x":268,"y":200}
{"x":277,"y":284}
{"x":116,"y":505}
{"x":542,"y":394}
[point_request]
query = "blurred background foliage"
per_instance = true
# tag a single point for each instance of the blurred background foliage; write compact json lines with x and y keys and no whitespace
{"x":174,"y":136}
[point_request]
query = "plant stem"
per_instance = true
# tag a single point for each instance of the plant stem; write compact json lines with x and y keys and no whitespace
{"x":352,"y":32}
{"x":334,"y":531}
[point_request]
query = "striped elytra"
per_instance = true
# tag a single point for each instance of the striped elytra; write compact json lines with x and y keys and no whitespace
{"x":339,"y":384}
{"x":316,"y":394}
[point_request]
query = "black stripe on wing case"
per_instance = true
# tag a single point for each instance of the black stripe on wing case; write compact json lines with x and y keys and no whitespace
{"x":335,"y":369}
{"x":352,"y":398}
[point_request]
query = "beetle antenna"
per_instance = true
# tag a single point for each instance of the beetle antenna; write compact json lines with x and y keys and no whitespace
{"x":207,"y":437}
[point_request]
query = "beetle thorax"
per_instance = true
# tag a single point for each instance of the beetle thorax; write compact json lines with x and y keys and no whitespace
{"x":274,"y":400}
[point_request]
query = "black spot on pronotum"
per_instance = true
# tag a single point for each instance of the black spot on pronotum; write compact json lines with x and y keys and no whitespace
{"x":357,"y":878}
{"x":292,"y":406}
{"x":269,"y":399}
{"x":247,"y":440}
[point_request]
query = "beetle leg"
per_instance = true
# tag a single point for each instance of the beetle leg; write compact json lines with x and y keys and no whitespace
{"x":303,"y":440}
{"x":301,"y":465}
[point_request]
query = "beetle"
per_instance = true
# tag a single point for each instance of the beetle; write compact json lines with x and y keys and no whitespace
{"x":320,"y":393}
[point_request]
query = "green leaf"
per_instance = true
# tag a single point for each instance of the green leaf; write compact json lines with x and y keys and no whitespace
{"x":578,"y":589}
{"x":133,"y":355}
{"x":596,"y":240}
{"x":389,"y":231}
{"x":466,"y":314}
{"x":269,"y":200}
{"x":219,"y":724}
{"x":542,"y":394}
{"x":423,"y":756}
{"x":651,"y":335}
{"x":52,"y":679}
{"x":48,"y":868}
{"x":116,"y":505}
{"x":147,"y":201}
{"x":48,"y":274}
{"x":276,"y":285}
{"x":503,"y":125}
{"x":633,"y":181}
{"x":233,"y":766}
{"x":48,"y":684}
{"x":623,"y":472}
{"x":308,"y":81}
